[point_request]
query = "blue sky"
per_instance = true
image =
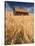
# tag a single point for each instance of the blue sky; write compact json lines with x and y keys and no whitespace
{"x":10,"y":4}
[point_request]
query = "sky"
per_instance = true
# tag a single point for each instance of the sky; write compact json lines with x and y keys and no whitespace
{"x":28,"y":5}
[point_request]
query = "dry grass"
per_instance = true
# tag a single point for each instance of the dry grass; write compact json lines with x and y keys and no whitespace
{"x":19,"y":29}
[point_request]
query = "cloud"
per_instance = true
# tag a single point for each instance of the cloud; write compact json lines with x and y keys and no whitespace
{"x":8,"y":7}
{"x":31,"y":9}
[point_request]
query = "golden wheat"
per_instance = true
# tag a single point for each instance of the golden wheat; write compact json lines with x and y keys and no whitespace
{"x":19,"y":29}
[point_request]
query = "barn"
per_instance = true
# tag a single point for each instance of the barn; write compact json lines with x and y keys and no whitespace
{"x":20,"y":11}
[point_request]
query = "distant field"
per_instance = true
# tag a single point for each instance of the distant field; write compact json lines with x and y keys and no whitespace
{"x":19,"y":29}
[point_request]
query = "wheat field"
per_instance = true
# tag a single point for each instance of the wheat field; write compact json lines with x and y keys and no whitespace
{"x":18,"y":29}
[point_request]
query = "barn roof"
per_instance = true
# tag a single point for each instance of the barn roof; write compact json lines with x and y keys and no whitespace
{"x":21,"y":9}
